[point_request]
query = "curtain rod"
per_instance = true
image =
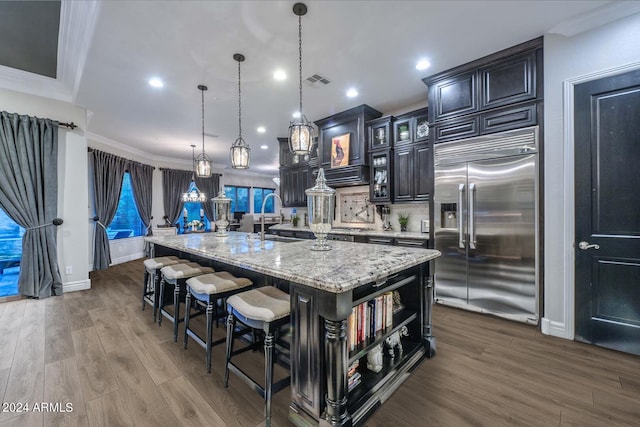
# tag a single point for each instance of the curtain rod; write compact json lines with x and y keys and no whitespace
{"x":68,"y":125}
{"x":91,"y":150}
{"x":171,"y":169}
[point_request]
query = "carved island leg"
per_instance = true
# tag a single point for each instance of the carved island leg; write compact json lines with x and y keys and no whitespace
{"x":427,"y":334}
{"x":336,"y":367}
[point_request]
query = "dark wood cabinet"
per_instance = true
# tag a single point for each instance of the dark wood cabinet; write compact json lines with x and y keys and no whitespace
{"x":296,"y":175}
{"x":380,"y":133}
{"x":492,"y":94}
{"x":352,"y":123}
{"x":508,"y":81}
{"x":413,"y":173}
{"x":454,"y":96}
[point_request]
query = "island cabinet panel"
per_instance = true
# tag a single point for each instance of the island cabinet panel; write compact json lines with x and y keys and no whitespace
{"x":351,"y":123}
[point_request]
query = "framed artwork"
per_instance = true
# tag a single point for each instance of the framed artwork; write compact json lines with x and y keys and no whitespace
{"x":340,"y":150}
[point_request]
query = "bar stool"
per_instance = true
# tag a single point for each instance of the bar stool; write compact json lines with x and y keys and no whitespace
{"x":151,"y":285}
{"x":206,"y":291}
{"x":265,"y":308}
{"x":176,"y":275}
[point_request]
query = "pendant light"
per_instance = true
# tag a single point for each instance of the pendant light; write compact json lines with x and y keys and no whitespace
{"x":202,"y":162}
{"x":240,"y":151}
{"x":300,"y":129}
{"x":193,"y":194}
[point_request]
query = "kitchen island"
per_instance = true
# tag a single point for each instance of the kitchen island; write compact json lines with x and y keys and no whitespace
{"x":324,"y":288}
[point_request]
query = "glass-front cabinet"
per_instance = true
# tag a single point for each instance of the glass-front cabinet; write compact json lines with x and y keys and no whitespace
{"x":380,"y":133}
{"x":381,"y":173}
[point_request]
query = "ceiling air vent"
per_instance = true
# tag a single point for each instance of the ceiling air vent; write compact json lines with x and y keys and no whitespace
{"x":317,"y":78}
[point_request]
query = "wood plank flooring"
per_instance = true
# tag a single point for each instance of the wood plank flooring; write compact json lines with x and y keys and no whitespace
{"x":105,"y":357}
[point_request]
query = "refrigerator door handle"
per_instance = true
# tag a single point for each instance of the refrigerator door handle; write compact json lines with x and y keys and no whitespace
{"x":472,"y":216}
{"x":461,"y":241}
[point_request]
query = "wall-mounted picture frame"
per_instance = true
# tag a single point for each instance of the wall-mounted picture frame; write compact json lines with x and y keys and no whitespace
{"x":340,"y":150}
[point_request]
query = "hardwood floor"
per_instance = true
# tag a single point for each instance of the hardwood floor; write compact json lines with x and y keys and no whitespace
{"x":103,"y":355}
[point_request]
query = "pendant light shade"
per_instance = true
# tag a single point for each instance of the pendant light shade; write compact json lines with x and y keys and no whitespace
{"x":300,"y":130}
{"x":239,"y":151}
{"x":202,"y":162}
{"x":193,"y":194}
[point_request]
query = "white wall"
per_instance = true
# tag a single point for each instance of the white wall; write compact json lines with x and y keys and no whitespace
{"x":72,"y":183}
{"x":570,"y":58}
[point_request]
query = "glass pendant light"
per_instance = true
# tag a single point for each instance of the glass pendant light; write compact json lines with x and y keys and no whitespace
{"x":240,"y":151}
{"x":202,"y":162}
{"x":193,"y":194}
{"x":300,"y":129}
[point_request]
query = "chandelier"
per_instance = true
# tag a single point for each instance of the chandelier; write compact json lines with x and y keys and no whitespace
{"x":240,"y":151}
{"x":202,"y":162}
{"x":193,"y":194}
{"x":300,"y":129}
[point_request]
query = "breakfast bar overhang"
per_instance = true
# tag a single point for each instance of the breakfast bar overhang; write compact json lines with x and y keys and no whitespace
{"x":324,"y":288}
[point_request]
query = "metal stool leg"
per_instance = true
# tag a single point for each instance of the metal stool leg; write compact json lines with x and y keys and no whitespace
{"x":268,"y":376}
{"x":161,"y":298}
{"x":145,"y":288}
{"x":176,"y":309}
{"x":187,"y":315}
{"x":156,"y":293}
{"x":231,"y":322}
{"x":209,"y":334}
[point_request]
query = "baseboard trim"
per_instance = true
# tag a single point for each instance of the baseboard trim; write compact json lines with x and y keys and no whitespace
{"x":127,"y":258}
{"x":555,"y":329}
{"x":80,"y":285}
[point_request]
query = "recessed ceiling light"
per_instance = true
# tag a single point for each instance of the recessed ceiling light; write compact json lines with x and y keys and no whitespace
{"x":423,"y":64}
{"x":156,"y":82}
{"x":264,"y":146}
{"x":261,"y":129}
{"x":279,"y":75}
{"x":296,"y":115}
{"x":352,"y":93}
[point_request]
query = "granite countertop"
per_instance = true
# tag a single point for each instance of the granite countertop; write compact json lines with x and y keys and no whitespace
{"x":357,"y":232}
{"x":345,"y":267}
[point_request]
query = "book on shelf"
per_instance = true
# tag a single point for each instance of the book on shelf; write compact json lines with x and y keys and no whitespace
{"x":369,"y":318}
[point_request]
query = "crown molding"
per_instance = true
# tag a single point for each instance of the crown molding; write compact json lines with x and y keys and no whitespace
{"x":34,"y":84}
{"x":597,"y":17}
{"x":77,"y":24}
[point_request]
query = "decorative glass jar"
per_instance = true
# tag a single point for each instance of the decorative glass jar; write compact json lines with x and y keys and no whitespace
{"x":221,"y":213}
{"x":320,"y":204}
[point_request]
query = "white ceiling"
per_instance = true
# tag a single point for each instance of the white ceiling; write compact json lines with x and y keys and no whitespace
{"x":116,"y":46}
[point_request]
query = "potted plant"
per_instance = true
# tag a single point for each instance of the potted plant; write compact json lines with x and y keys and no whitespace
{"x":294,"y":220}
{"x":403,"y":220}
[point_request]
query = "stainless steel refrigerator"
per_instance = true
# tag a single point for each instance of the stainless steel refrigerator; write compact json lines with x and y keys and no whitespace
{"x":486,"y":224}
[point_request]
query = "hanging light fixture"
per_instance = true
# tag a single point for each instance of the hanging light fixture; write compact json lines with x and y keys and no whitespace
{"x":193,"y":194}
{"x":240,"y":151}
{"x":202,"y":162}
{"x":300,"y":129}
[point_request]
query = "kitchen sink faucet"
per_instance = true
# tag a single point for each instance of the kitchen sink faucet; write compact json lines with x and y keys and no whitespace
{"x":264,"y":202}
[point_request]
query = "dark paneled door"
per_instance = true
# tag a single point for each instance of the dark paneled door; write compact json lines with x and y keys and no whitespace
{"x":607,"y":205}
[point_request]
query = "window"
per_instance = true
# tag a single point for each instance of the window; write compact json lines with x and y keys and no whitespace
{"x":258,"y":196}
{"x":127,"y":222}
{"x":10,"y":253}
{"x":239,"y":198}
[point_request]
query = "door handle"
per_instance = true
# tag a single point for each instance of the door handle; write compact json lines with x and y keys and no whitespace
{"x":461,"y":241}
{"x":472,"y":216}
{"x":586,"y":245}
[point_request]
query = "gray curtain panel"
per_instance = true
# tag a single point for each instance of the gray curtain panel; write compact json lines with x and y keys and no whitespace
{"x":29,"y":196}
{"x":141,"y":184}
{"x":210,"y":186}
{"x":174,"y":183}
{"x":108,"y":173}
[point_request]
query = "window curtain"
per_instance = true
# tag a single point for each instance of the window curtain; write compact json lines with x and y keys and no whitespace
{"x":210,"y":187}
{"x":108,"y":173}
{"x":141,"y":184}
{"x":174,"y":183}
{"x":29,"y":196}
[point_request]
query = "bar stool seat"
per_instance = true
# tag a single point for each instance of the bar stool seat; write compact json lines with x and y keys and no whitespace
{"x":267,"y":308}
{"x":151,"y":287}
{"x":207,"y":290}
{"x":176,"y":275}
